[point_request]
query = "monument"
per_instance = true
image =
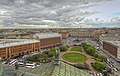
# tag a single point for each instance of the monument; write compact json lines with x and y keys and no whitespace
{"x":56,"y":60}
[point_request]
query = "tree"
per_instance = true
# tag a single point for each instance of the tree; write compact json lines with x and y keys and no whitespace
{"x":53,"y":49}
{"x":67,"y":46}
{"x":63,"y":48}
{"x":51,"y":54}
{"x":99,"y":66}
{"x":45,"y":52}
{"x":90,"y":50}
{"x":95,"y":55}
{"x":84,"y":44}
{"x":35,"y":58}
{"x":102,"y":58}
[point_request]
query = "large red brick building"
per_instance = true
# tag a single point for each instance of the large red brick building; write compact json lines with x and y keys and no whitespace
{"x":113,"y":47}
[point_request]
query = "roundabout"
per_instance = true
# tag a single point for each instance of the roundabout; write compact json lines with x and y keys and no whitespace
{"x":74,"y":57}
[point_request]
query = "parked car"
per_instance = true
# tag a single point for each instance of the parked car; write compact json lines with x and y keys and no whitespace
{"x":30,"y":65}
{"x":21,"y":63}
{"x":115,"y":69}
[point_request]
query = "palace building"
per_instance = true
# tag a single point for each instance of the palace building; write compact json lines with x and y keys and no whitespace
{"x":11,"y":48}
{"x":48,"y":40}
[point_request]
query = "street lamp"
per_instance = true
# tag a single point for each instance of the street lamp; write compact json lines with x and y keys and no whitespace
{"x":104,"y":72}
{"x":0,"y":58}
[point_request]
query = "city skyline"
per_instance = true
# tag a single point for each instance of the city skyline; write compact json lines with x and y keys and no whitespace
{"x":60,"y":13}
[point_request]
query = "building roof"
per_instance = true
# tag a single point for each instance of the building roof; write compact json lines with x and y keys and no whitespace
{"x":48,"y":35}
{"x":63,"y":69}
{"x":116,"y":43}
{"x":48,"y":69}
{"x":109,"y":35}
{"x":15,"y":42}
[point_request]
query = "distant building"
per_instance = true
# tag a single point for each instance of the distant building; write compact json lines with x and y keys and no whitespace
{"x":64,"y":34}
{"x":81,"y":34}
{"x":113,"y":47}
{"x":108,"y":37}
{"x":13,"y":48}
{"x":96,"y":34}
{"x":48,"y":40}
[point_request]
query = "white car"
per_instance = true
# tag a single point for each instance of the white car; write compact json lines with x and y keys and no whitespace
{"x":100,"y":74}
{"x":114,"y":69}
{"x":21,"y":64}
{"x":4,"y":62}
{"x":30,"y":65}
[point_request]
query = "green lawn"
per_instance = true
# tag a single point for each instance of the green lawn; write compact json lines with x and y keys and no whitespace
{"x":74,"y":57}
{"x":76,"y":48}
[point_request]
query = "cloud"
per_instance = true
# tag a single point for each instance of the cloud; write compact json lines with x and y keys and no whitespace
{"x":59,"y":13}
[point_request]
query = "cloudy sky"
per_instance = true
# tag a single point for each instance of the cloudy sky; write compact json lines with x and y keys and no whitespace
{"x":60,"y":13}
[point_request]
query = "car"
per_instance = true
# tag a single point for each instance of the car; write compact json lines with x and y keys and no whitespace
{"x":100,"y":74}
{"x":12,"y":62}
{"x":118,"y":61}
{"x":4,"y":62}
{"x":115,"y":69}
{"x":21,"y":64}
{"x":30,"y":65}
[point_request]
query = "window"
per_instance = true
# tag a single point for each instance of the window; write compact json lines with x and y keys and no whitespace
{"x":3,"y":57}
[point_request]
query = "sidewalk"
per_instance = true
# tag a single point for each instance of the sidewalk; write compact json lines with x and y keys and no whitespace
{"x":89,"y":60}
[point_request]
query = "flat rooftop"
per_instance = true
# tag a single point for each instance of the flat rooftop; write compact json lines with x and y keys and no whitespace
{"x":14,"y":42}
{"x":116,"y":43}
{"x":108,"y":35}
{"x":48,"y":35}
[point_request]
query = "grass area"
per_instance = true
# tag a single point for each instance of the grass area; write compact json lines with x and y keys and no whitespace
{"x":74,"y":57}
{"x":76,"y":48}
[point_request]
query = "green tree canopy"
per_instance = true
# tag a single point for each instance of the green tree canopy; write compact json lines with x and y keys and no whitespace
{"x":63,"y":48}
{"x":90,"y":50}
{"x":99,"y":66}
{"x":51,"y":54}
{"x":102,"y":58}
{"x":53,"y":49}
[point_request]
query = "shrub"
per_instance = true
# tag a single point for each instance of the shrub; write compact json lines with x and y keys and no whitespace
{"x":51,"y":54}
{"x":76,"y":48}
{"x":45,"y":52}
{"x":102,"y":58}
{"x":98,"y":66}
{"x":53,"y":49}
{"x":63,"y":48}
{"x":67,"y":46}
{"x":95,"y":55}
{"x":90,"y":50}
{"x":82,"y":66}
{"x":35,"y":58}
{"x":31,"y":59}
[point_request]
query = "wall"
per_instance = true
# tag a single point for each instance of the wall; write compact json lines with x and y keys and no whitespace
{"x":112,"y":49}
